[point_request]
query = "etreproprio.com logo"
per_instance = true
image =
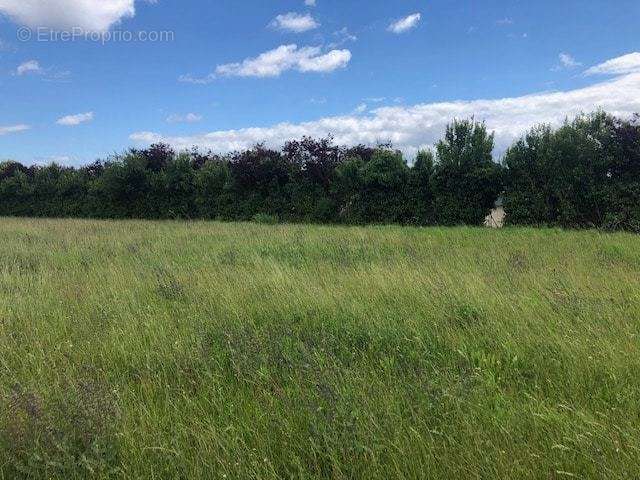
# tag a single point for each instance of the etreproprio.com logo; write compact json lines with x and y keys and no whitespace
{"x":76,"y":34}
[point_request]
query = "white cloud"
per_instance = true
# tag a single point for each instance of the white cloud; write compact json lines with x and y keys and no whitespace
{"x":88,"y":15}
{"x":405,"y":24}
{"x":414,"y":127}
{"x":311,"y":60}
{"x":274,"y":62}
{"x":618,"y":66}
{"x":294,"y":22}
{"x":13,"y":129}
{"x":31,"y":66}
{"x":188,"y":118}
{"x":73,"y":120}
{"x":57,"y":159}
{"x":567,"y":61}
{"x":50,"y":74}
{"x":310,"y":3}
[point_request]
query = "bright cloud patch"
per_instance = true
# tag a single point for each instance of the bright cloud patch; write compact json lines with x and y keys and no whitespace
{"x":73,"y":120}
{"x":88,"y":15}
{"x":277,"y":61}
{"x":294,"y":22}
{"x":32,"y":66}
{"x":13,"y":129}
{"x":418,"y":126}
{"x":568,"y":61}
{"x":405,"y":24}
{"x":618,"y":66}
{"x":287,"y":57}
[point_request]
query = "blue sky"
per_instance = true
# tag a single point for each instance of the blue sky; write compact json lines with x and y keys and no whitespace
{"x":228,"y":73}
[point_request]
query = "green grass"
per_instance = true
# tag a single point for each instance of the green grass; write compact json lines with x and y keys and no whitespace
{"x":206,"y":350}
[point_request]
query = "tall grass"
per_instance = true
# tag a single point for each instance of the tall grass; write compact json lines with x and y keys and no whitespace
{"x":206,"y":350}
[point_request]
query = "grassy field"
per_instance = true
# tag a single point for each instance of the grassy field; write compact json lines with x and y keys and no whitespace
{"x":206,"y":350}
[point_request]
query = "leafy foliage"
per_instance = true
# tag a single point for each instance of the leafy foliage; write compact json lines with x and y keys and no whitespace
{"x":466,"y":181}
{"x":584,"y":174}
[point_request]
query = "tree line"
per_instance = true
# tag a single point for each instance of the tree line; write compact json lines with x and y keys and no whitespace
{"x":584,"y":174}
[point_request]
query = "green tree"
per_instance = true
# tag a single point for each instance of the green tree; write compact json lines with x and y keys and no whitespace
{"x":212,"y":182}
{"x":582,"y":175}
{"x":16,"y":190}
{"x":346,"y":189}
{"x":466,"y":181}
{"x":173,"y":190}
{"x":420,"y":194}
{"x":124,"y":188}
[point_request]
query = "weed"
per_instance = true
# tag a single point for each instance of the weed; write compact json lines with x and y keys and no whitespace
{"x":316,"y":352}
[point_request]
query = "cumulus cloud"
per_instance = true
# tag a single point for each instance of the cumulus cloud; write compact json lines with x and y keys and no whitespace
{"x":31,"y":66}
{"x":13,"y":129}
{"x":618,"y":66}
{"x":88,"y":15}
{"x":310,"y":60}
{"x":405,"y":24}
{"x":413,"y":127}
{"x":188,"y":118}
{"x":73,"y":120}
{"x":294,"y":22}
{"x":274,"y":62}
{"x":310,"y":3}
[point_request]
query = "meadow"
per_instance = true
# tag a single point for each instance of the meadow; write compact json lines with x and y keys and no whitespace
{"x":203,"y":350}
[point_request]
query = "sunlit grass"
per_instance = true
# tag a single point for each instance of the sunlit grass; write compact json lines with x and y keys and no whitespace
{"x":205,"y":350}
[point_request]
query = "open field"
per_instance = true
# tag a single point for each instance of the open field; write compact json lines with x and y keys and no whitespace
{"x":238,"y":351}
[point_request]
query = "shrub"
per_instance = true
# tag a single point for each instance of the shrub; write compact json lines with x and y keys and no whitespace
{"x":584,"y":174}
{"x":466,"y":181}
